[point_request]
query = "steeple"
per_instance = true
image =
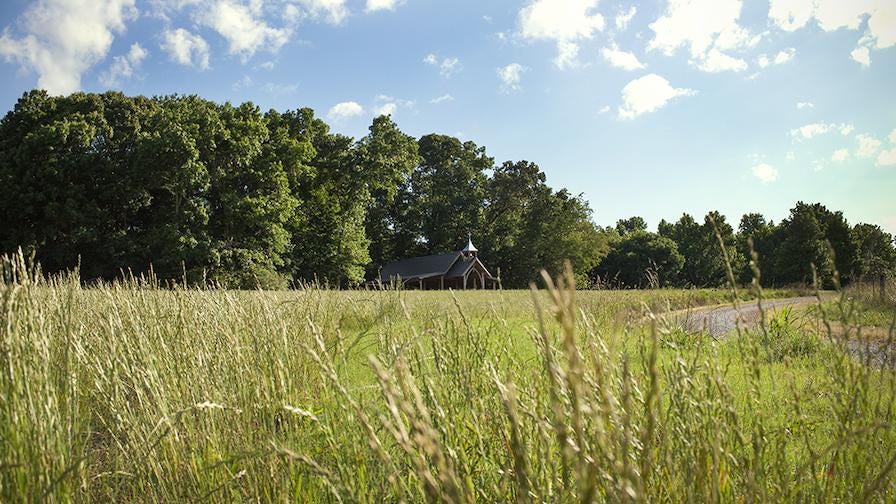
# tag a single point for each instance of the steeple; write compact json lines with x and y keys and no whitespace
{"x":470,"y":250}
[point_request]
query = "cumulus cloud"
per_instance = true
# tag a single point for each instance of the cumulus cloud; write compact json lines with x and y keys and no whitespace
{"x":62,"y":39}
{"x":567,"y":55}
{"x":565,"y":22}
{"x":715,"y":61}
{"x":868,"y":145}
{"x":511,"y":75}
{"x":648,"y":94}
{"x":765,"y":172}
{"x":887,"y":158}
{"x":375,"y":5}
{"x":345,"y":110}
{"x":334,"y":11}
{"x":840,"y":155}
{"x":185,"y":48}
{"x":805,"y":105}
{"x":123,"y":67}
{"x":764,"y":61}
{"x":832,"y":15}
{"x":621,"y":59}
{"x":243,"y":27}
{"x":388,"y":105}
{"x":892,"y":136}
{"x":447,"y":66}
{"x":708,"y":29}
{"x":625,"y":17}
{"x":862,"y":55}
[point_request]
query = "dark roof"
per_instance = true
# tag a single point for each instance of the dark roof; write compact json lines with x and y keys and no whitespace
{"x":419,"y":267}
{"x":461,"y":267}
{"x":451,"y":265}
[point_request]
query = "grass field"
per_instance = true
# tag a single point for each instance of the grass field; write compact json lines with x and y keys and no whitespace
{"x":126,"y":392}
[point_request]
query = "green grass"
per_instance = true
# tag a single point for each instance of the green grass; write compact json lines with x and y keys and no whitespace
{"x":125,"y":392}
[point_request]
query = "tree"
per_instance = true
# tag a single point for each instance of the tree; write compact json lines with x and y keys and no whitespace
{"x":764,"y":237}
{"x":631,"y":225}
{"x":641,"y":259}
{"x":704,"y":261}
{"x":802,"y":245}
{"x":876,"y":255}
{"x":449,"y":191}
{"x":387,"y":157}
{"x":250,"y":202}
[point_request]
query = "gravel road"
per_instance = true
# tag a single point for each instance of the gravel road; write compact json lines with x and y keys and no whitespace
{"x":721,"y":321}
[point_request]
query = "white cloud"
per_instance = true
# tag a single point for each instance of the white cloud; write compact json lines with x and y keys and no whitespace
{"x":621,"y":59}
{"x":243,"y":28}
{"x":511,"y":75}
{"x":442,"y":99}
{"x":887,"y":158}
{"x":279,"y":89}
{"x":868,"y":145}
{"x":707,"y":28}
{"x":123,"y":67}
{"x":832,"y":15}
{"x":375,"y":5}
{"x":765,"y":172}
{"x":388,"y":105}
{"x":334,"y":10}
{"x":603,"y":110}
{"x":892,"y":137}
{"x":805,"y":105}
{"x":185,"y":48}
{"x":783,"y":56}
{"x":862,"y":55}
{"x":715,"y":61}
{"x":447,"y":67}
{"x":244,"y":83}
{"x":345,"y":110}
{"x":814,"y":129}
{"x":840,"y":155}
{"x":567,"y":55}
{"x":562,"y":21}
{"x":648,"y":94}
{"x":385,"y":109}
{"x":625,"y":17}
{"x":64,"y":38}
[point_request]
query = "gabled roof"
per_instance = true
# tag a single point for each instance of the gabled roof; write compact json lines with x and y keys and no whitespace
{"x":419,"y":267}
{"x":451,"y":265}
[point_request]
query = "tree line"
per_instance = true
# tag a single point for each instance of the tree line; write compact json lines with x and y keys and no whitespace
{"x":218,"y":193}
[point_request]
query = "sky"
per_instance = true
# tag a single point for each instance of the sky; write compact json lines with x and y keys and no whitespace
{"x":645,"y":108}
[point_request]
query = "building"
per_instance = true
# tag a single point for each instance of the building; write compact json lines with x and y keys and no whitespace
{"x":455,"y":270}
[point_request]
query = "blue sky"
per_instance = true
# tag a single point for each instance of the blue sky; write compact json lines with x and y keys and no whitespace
{"x":647,"y":108}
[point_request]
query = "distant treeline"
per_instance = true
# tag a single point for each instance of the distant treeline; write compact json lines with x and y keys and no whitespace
{"x":208,"y":192}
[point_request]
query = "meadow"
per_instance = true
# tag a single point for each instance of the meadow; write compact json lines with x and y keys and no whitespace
{"x":124,"y":391}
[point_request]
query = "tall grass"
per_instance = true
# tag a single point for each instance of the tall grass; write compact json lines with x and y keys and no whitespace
{"x":125,"y":392}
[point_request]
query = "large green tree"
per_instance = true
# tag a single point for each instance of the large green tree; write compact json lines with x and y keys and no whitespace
{"x":641,"y":259}
{"x":449,"y":191}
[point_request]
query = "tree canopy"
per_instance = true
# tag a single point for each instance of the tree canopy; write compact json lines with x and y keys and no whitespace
{"x":199,"y":192}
